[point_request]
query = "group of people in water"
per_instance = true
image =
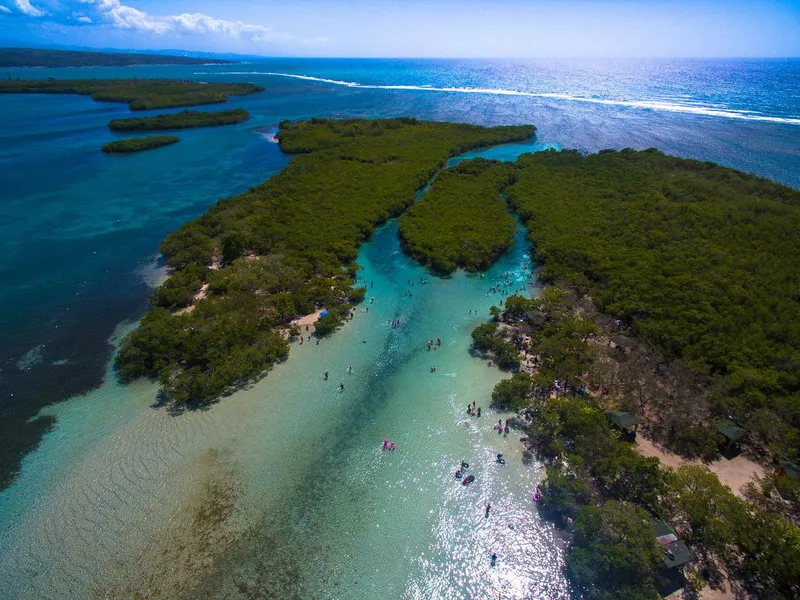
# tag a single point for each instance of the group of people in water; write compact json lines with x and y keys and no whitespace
{"x":472,"y":411}
{"x":504,"y":283}
{"x":326,"y":375}
{"x":500,"y":428}
{"x":461,"y":473}
{"x":504,"y":286}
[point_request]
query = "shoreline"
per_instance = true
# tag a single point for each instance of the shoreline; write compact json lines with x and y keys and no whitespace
{"x":268,"y":132}
{"x":254,"y":458}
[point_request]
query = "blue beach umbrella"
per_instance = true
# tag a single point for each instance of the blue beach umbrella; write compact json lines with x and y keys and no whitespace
{"x":324,"y":313}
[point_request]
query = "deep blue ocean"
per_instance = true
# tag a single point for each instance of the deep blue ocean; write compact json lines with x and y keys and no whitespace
{"x":79,"y":231}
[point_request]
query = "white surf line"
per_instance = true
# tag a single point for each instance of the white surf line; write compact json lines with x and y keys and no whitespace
{"x":688,"y":108}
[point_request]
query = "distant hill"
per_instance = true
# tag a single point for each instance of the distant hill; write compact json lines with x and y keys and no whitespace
{"x":39,"y":57}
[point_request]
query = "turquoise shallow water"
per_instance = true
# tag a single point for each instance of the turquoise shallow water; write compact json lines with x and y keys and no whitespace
{"x":314,"y":496}
{"x":281,"y":490}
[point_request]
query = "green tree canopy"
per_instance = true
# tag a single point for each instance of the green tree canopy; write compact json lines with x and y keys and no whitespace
{"x":614,"y":554}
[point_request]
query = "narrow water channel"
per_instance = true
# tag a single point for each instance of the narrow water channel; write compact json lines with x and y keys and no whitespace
{"x":282,"y":490}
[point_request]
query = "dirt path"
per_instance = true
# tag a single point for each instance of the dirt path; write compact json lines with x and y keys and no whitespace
{"x":735,"y":473}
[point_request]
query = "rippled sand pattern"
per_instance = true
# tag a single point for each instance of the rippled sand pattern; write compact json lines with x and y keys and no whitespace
{"x":110,"y":520}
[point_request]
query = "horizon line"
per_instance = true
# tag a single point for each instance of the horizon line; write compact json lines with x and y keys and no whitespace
{"x":168,"y":51}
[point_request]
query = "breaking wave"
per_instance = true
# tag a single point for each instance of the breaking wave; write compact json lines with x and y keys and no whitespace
{"x":688,"y":107}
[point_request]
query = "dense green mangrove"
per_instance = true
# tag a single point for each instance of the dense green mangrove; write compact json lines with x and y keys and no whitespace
{"x":608,"y":495}
{"x":139,"y":94}
{"x":462,"y":221}
{"x":700,"y":260}
{"x":285,"y":248}
{"x":182,"y":120}
{"x":139,"y":144}
{"x":46,"y":57}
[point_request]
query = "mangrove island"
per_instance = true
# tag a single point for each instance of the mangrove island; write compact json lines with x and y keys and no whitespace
{"x":138,"y":144}
{"x":183,"y":120}
{"x":138,"y":94}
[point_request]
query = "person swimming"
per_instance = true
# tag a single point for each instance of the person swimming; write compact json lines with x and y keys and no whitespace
{"x":325,"y":375}
{"x":385,"y":444}
{"x":341,"y":387}
{"x":464,"y":465}
{"x":488,"y":508}
{"x":494,"y":559}
{"x":537,"y":495}
{"x":500,"y":459}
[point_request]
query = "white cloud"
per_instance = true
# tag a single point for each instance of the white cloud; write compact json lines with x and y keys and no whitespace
{"x":115,"y":14}
{"x":121,"y":16}
{"x":25,"y":7}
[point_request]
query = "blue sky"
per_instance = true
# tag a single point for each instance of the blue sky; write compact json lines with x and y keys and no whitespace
{"x":414,"y":28}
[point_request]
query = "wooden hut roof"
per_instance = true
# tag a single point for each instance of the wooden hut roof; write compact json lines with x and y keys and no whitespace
{"x":622,"y":419}
{"x":730,"y":430}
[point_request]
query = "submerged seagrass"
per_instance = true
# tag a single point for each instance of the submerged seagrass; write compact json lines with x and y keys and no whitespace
{"x":139,"y":94}
{"x":281,"y":247}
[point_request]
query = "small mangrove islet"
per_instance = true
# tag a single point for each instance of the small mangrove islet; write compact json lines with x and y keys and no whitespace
{"x":183,"y":120}
{"x":462,"y":221}
{"x":138,"y":94}
{"x":138,"y":144}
